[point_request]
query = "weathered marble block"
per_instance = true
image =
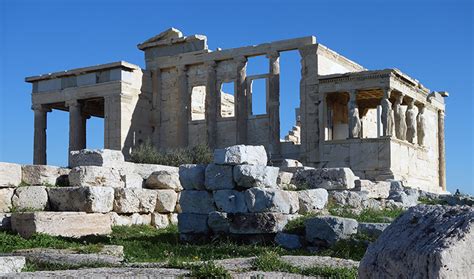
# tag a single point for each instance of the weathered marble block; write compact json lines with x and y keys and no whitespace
{"x":327,"y":178}
{"x":130,"y":219}
{"x":134,"y":200}
{"x":257,"y":223}
{"x":6,"y":195}
{"x":96,"y":176}
{"x":166,"y":201}
{"x":67,"y":224}
{"x":43,"y":175}
{"x":271,"y":200}
{"x":372,"y":229}
{"x":329,"y":229}
{"x":248,"y":176}
{"x":241,"y":154}
{"x":30,"y":198}
{"x":96,"y":157}
{"x":375,"y":190}
{"x":192,"y":176}
{"x":82,"y":199}
{"x":219,"y":177}
{"x":164,"y":179}
{"x":192,"y":223}
{"x":428,"y":241}
{"x":10,"y":175}
{"x":288,"y":241}
{"x":218,"y":222}
{"x":312,"y":200}
{"x":11,"y":264}
{"x":230,"y":201}
{"x":159,"y":221}
{"x":198,"y":202}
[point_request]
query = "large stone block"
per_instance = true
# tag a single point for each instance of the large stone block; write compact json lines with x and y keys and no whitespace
{"x":329,"y":229}
{"x":312,"y":200}
{"x":192,"y":223}
{"x":192,"y":176}
{"x":194,"y":201}
{"x":348,"y":198}
{"x":372,"y":229}
{"x":257,"y":223}
{"x":230,"y":201}
{"x":288,"y":241}
{"x":134,"y":200}
{"x":164,"y":179}
{"x":6,"y":195}
{"x":43,"y":175}
{"x":241,"y":154}
{"x":375,"y":190}
{"x":327,"y":178}
{"x":67,"y":224}
{"x":219,"y":177}
{"x":425,"y":242}
{"x":284,"y":178}
{"x":96,"y":157}
{"x":30,"y":198}
{"x":145,"y":170}
{"x":166,"y":201}
{"x":82,"y":199}
{"x":96,"y":176}
{"x":248,"y":176}
{"x":130,"y":219}
{"x":10,"y":175}
{"x":160,"y":221}
{"x":218,"y":222}
{"x":271,"y":200}
{"x":11,"y":264}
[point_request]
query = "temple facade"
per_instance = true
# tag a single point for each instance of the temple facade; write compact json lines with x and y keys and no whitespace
{"x":382,"y":124}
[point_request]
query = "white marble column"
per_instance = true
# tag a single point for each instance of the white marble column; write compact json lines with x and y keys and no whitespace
{"x":387,"y":113}
{"x":241,"y":112}
{"x":411,"y":121}
{"x":211,"y":104}
{"x":441,"y":150}
{"x":399,"y":116}
{"x":39,"y":144}
{"x":353,"y":114}
{"x":273,"y":103}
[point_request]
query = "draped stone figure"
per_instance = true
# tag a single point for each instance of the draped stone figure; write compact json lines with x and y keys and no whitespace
{"x":421,"y":125}
{"x":411,"y":122}
{"x":387,"y":115}
{"x":399,"y":116}
{"x":354,"y":119}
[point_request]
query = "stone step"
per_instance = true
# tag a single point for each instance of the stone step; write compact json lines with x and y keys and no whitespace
{"x":11,"y":264}
{"x":67,"y":224}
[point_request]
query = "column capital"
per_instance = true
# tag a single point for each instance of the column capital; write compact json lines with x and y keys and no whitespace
{"x":72,"y":103}
{"x":273,"y":55}
{"x":241,"y":61}
{"x":40,"y":108}
{"x":387,"y":91}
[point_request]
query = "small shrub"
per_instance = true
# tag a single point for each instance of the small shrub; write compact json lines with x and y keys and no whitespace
{"x":208,"y":270}
{"x":146,"y":153}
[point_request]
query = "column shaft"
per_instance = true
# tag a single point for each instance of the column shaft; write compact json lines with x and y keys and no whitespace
{"x":77,"y":126}
{"x":39,"y":145}
{"x":183,"y":107}
{"x":273,"y":103}
{"x":211,"y":105}
{"x":441,"y":151}
{"x":112,"y":122}
{"x":241,"y":101}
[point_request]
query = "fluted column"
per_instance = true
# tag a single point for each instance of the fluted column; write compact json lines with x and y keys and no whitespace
{"x":273,"y":103}
{"x":39,"y":144}
{"x":353,"y":114}
{"x":387,"y":113}
{"x":211,"y":104}
{"x":241,"y":101}
{"x":77,"y":126}
{"x":184,"y":107}
{"x":442,"y":150}
{"x":113,"y":122}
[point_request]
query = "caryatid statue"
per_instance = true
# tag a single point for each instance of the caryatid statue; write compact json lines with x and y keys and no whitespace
{"x":399,"y":116}
{"x":354,"y":119}
{"x":421,"y":125}
{"x":387,"y":114}
{"x":411,"y":121}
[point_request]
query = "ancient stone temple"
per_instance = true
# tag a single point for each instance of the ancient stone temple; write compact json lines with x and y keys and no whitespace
{"x":381,"y":123}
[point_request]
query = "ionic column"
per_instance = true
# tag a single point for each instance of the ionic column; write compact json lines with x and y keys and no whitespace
{"x":241,"y":101}
{"x":39,"y":144}
{"x":184,"y":101}
{"x":273,"y":103}
{"x":353,"y":114}
{"x":421,"y":125}
{"x":112,"y":122}
{"x":387,"y":113}
{"x":399,"y":116}
{"x":441,"y":150}
{"x":77,"y":126}
{"x":411,"y":121}
{"x":211,"y":105}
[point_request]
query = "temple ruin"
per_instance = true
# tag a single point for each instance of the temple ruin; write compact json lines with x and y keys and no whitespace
{"x":382,"y":124}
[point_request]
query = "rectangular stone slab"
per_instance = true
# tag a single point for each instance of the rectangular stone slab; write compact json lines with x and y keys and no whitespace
{"x":68,"y":224}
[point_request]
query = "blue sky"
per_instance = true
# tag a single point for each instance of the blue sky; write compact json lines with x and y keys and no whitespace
{"x":431,"y":41}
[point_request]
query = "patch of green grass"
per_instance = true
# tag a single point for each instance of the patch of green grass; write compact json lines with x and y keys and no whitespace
{"x":32,"y":267}
{"x":426,"y":200}
{"x":272,"y":262}
{"x":23,"y":184}
{"x":208,"y":270}
{"x":297,"y":226}
{"x":353,"y":248}
{"x":15,"y":209}
{"x":367,"y":215}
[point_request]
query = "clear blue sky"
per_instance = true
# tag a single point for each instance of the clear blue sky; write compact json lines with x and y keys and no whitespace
{"x":431,"y":41}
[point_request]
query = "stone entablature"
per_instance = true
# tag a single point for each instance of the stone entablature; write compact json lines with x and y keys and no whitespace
{"x":179,"y":100}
